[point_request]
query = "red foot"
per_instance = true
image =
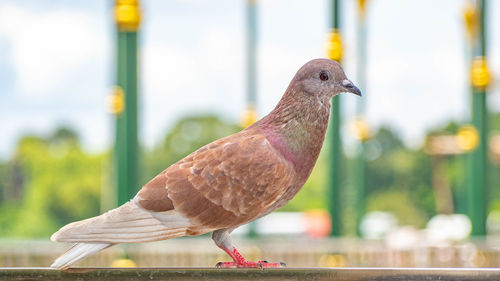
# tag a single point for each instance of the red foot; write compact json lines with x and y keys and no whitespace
{"x":250,"y":264}
{"x":240,"y":262}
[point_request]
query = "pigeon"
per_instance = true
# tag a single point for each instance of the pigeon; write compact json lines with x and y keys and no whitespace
{"x":227,"y":183}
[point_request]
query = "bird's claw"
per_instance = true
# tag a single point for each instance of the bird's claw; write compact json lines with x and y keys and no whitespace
{"x":265,"y":263}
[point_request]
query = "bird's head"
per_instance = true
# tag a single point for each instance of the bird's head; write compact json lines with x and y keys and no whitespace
{"x":325,"y":78}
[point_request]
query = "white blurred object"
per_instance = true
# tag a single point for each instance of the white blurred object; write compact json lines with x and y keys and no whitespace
{"x":294,"y":223}
{"x":282,"y":223}
{"x":313,"y":223}
{"x":446,"y":228}
{"x":403,"y":238}
{"x":375,"y":225}
{"x":493,"y":222}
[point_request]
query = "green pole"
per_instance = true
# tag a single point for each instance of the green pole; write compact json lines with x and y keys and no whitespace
{"x":334,"y":204}
{"x":478,"y":160}
{"x":127,"y":18}
{"x":251,"y":76}
{"x":359,"y":182}
{"x":360,"y":165}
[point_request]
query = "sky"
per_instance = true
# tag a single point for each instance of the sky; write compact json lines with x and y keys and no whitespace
{"x":57,"y":63}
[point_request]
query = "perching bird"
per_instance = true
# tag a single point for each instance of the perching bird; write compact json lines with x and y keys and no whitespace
{"x":227,"y":183}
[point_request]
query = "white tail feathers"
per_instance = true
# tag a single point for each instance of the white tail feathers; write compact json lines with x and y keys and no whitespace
{"x":76,"y":253}
{"x":125,"y":224}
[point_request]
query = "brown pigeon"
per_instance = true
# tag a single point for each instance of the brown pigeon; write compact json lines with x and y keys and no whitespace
{"x":227,"y":183}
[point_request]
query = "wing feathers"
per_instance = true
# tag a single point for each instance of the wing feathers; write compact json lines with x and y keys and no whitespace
{"x":154,"y":196}
{"x":125,"y":224}
{"x":76,"y":253}
{"x":229,"y":182}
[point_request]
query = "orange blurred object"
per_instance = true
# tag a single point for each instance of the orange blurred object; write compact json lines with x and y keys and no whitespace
{"x":318,"y":223}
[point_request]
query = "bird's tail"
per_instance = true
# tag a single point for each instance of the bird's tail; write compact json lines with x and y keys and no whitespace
{"x":76,"y":253}
{"x":125,"y":224}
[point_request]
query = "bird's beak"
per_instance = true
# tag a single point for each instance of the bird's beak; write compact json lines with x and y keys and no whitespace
{"x":355,"y":90}
{"x":350,"y":88}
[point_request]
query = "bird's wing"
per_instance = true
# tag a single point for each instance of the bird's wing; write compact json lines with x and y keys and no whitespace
{"x":223,"y":184}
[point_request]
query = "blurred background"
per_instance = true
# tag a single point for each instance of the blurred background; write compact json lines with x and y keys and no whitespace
{"x":97,"y":97}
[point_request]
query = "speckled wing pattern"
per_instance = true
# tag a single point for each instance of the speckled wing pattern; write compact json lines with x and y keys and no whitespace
{"x":223,"y":184}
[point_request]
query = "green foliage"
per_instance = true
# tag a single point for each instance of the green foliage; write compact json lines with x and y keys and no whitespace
{"x":61,"y":184}
{"x":3,"y":175}
{"x":400,"y":203}
{"x":399,"y":172}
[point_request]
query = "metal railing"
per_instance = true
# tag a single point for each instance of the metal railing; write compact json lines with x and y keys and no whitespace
{"x":173,"y":274}
{"x":201,"y":252}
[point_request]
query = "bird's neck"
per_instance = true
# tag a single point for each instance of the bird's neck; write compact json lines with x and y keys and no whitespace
{"x":296,"y":128}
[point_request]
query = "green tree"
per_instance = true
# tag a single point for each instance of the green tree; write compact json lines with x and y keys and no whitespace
{"x":397,"y":173}
{"x":61,"y":184}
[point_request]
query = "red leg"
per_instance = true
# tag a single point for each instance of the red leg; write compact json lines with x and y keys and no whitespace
{"x":223,"y":241}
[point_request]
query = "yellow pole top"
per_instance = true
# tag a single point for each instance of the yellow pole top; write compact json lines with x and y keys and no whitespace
{"x":360,"y":129}
{"x":362,"y":8}
{"x":123,"y":263}
{"x":116,"y":100}
{"x":334,"y":46}
{"x":127,"y":15}
{"x":467,"y":138}
{"x":480,"y":74}
{"x":249,"y":116}
{"x":470,"y":20}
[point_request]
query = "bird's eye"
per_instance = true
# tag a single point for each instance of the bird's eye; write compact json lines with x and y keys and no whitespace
{"x":323,"y":76}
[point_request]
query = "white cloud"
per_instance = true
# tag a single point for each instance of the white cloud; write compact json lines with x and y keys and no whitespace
{"x":222,"y":50}
{"x":166,"y":71}
{"x":48,"y":48}
{"x":180,"y":81}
